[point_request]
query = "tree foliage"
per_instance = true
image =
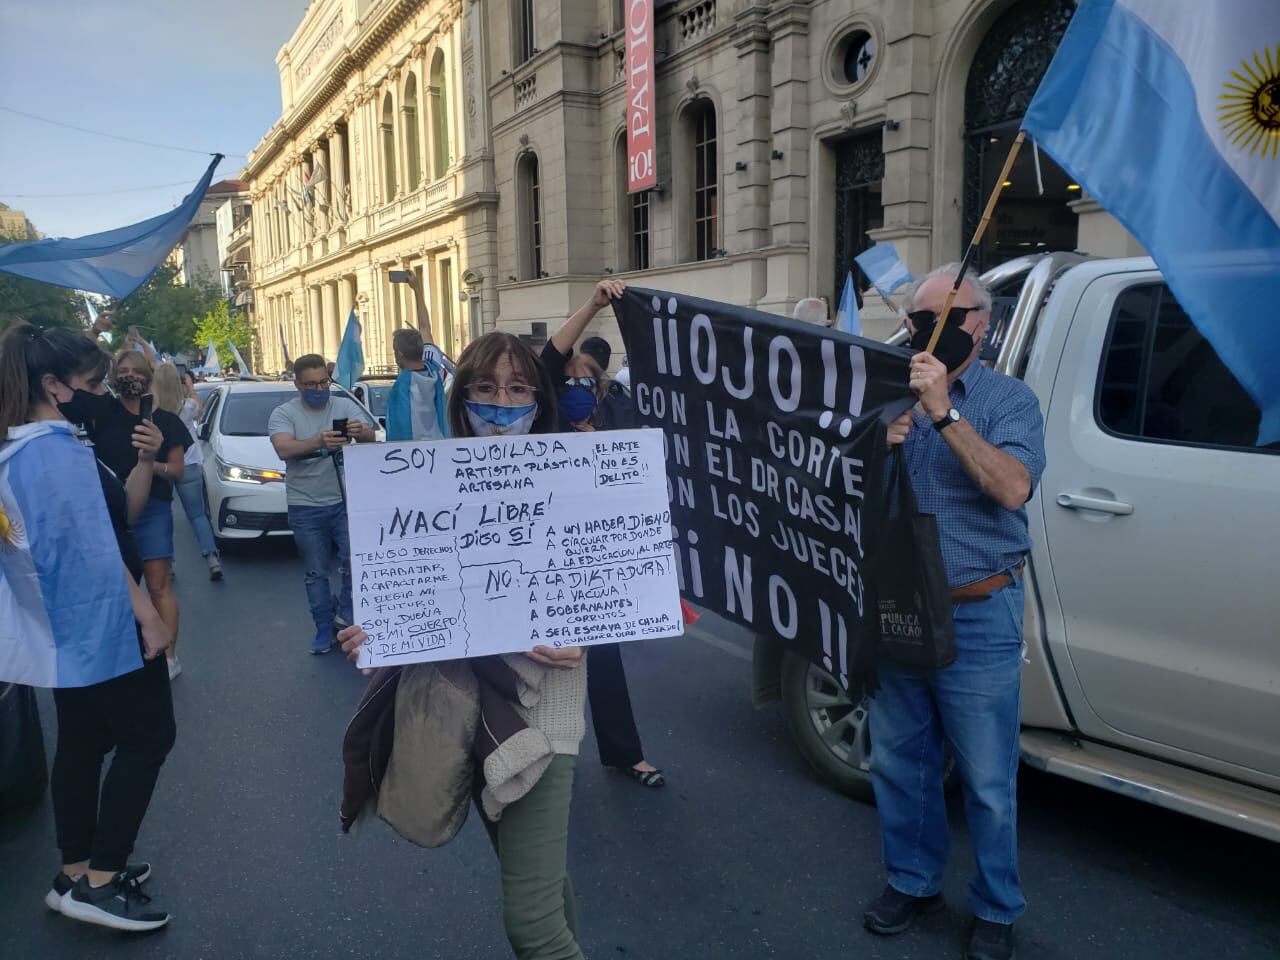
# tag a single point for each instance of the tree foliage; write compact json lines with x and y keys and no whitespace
{"x":224,"y":326}
{"x":167,"y":312}
{"x":40,"y":303}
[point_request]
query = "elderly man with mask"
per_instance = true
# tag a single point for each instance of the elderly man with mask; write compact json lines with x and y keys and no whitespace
{"x":974,"y":446}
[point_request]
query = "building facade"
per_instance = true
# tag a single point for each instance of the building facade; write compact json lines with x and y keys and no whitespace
{"x":790,"y":134}
{"x":197,"y":253}
{"x":380,"y":161}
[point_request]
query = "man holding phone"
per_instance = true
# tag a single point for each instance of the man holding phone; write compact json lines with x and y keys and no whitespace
{"x":306,"y":433}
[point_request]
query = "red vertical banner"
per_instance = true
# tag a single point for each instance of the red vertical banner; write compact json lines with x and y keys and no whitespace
{"x":642,"y":159}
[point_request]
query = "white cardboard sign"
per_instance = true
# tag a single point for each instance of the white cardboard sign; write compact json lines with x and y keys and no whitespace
{"x":462,"y":548}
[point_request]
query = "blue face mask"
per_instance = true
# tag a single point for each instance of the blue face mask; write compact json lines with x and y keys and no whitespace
{"x":495,"y":420}
{"x":315,"y":399}
{"x":577,"y":403}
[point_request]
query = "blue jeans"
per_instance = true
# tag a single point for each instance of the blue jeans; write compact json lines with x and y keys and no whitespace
{"x":191,"y":492}
{"x":321,"y":532}
{"x":973,"y":706}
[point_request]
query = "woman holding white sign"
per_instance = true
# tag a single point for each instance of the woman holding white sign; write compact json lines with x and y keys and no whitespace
{"x":501,"y":389}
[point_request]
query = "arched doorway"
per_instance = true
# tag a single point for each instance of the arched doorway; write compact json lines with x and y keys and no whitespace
{"x":1003,"y":77}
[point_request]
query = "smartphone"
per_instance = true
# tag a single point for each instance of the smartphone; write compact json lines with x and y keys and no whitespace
{"x":398,"y":276}
{"x":133,"y":332}
{"x":340,"y":426}
{"x":145,"y":405}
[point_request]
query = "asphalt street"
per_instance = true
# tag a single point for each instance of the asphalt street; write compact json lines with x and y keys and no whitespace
{"x":743,"y":855}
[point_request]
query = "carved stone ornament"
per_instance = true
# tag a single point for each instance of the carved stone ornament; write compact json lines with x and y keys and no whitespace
{"x":524,"y":139}
{"x":847,"y":114}
{"x":693,"y":83}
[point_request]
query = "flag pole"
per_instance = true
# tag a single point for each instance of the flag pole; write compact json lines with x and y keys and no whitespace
{"x":977,"y":238}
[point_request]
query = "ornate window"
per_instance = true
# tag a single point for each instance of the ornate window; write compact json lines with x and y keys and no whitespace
{"x":387,"y":130}
{"x":409,"y":131}
{"x":706,"y":205}
{"x":1006,"y":70}
{"x":441,"y":153}
{"x":640,"y":230}
{"x":529,"y":198}
{"x":523,"y":26}
{"x":633,"y":243}
{"x":859,"y":172}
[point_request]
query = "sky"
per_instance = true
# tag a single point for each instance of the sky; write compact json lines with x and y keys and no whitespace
{"x":199,"y":74}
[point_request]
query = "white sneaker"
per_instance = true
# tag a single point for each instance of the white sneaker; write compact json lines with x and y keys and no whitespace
{"x":175,"y":668}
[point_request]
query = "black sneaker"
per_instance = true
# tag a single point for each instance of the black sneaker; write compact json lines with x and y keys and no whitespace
{"x":990,"y":941}
{"x":120,"y":905}
{"x":62,"y":884}
{"x":893,"y":912}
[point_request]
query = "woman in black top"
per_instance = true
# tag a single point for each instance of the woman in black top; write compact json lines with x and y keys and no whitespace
{"x":586,"y":405}
{"x":55,"y":376}
{"x":152,"y":529}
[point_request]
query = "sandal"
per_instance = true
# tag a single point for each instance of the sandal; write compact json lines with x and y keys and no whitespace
{"x":647,"y":778}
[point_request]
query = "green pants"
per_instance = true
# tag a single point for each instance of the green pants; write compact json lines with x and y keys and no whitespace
{"x":532,"y":843}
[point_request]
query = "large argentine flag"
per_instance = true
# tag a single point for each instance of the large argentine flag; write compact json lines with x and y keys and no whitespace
{"x":1168,"y":112}
{"x":115,"y":262}
{"x":65,"y":615}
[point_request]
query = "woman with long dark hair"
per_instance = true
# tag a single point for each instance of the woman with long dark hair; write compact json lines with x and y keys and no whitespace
{"x":501,"y":389}
{"x":74,"y":617}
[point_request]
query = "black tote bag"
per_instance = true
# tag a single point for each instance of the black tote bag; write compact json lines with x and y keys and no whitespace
{"x":916,"y":630}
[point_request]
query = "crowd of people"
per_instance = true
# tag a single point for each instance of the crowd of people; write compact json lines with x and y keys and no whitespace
{"x":974,"y":447}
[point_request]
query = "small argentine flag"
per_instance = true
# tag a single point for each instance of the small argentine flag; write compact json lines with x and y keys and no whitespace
{"x":350,"y":363}
{"x":65,"y":615}
{"x":883,"y":268}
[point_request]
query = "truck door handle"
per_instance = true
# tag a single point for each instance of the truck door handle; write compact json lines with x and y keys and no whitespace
{"x":1077,"y":501}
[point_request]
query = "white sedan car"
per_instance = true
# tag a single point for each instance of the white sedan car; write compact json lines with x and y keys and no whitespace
{"x":243,"y":477}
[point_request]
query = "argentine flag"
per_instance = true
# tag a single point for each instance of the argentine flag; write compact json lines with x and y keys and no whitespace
{"x":883,"y":268}
{"x":1168,"y":113}
{"x":65,"y":615}
{"x":350,"y":362}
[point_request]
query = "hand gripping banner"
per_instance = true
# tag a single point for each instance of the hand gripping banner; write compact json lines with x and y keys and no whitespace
{"x":774,"y":453}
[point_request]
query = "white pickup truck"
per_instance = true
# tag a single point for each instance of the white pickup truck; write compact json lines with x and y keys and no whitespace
{"x":1153,"y":602}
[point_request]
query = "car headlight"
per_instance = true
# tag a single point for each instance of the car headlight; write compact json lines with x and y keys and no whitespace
{"x":236,"y":473}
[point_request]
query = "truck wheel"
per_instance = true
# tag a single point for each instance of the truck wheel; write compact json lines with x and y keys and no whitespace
{"x":830,"y":730}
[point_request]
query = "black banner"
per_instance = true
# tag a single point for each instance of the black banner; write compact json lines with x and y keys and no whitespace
{"x":775,"y":446}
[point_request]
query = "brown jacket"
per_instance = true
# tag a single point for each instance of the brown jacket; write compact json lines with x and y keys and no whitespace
{"x":411,"y":750}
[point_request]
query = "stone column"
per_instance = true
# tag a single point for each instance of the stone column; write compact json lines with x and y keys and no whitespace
{"x":309,"y":213}
{"x":316,"y":321}
{"x":321,"y":194}
{"x":346,"y":298}
{"x":749,"y":143}
{"x":332,"y":324}
{"x":337,"y":177}
{"x":909,"y":98}
{"x":789,"y":122}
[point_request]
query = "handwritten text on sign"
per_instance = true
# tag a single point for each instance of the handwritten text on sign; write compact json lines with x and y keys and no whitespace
{"x":462,"y":548}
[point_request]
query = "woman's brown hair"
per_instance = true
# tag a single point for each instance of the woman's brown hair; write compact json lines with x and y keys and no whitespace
{"x":478,"y":361}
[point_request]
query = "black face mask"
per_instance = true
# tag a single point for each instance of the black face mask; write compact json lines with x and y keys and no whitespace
{"x":954,"y":345}
{"x":85,"y":407}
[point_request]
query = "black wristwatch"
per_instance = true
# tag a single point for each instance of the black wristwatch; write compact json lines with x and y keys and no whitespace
{"x":948,"y":418}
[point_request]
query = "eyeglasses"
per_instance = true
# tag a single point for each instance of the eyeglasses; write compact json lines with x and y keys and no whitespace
{"x":517,"y":393}
{"x":315,"y":384}
{"x":925,"y":319}
{"x":588,"y":382}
